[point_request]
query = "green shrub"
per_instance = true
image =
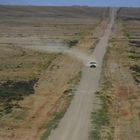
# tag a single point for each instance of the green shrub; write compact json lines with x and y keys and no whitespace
{"x":12,"y":91}
{"x":73,"y":43}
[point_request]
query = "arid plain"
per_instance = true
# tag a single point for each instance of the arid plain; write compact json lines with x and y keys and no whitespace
{"x":42,"y":53}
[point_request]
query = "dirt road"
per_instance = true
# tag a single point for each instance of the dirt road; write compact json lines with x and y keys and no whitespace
{"x":76,"y":123}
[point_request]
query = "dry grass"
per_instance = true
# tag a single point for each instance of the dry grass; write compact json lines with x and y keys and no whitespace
{"x":120,"y":90}
{"x":54,"y":77}
{"x":37,"y":108}
{"x":22,"y":64}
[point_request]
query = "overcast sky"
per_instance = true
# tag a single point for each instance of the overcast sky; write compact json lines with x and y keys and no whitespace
{"x":126,"y":3}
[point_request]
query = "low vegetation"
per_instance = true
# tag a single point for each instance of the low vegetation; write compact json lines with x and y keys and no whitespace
{"x":11,"y":92}
{"x":134,"y":55}
{"x":52,"y":124}
{"x":72,"y":43}
{"x":23,"y":67}
{"x":119,"y":92}
{"x":19,"y":72}
{"x":136,"y":73}
{"x":102,"y":127}
{"x":58,"y":115}
{"x":94,"y":44}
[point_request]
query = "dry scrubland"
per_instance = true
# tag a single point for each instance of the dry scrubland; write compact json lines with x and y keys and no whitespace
{"x":119,"y":118}
{"x":36,"y":87}
{"x":29,"y":24}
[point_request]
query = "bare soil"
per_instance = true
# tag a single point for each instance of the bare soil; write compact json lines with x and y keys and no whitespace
{"x":23,"y":28}
{"x":121,"y":81}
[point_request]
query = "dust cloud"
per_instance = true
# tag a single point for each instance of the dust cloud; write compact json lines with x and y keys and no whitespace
{"x":60,"y":47}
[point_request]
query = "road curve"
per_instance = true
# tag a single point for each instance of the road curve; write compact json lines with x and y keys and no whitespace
{"x":75,"y":125}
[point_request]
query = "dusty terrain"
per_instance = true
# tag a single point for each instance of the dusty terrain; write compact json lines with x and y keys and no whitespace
{"x":38,"y":83}
{"x":33,"y":111}
{"x":76,"y":123}
{"x":42,"y":50}
{"x":120,"y":81}
{"x":127,"y":86}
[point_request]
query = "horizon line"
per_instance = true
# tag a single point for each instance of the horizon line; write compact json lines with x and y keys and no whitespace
{"x":100,"y":6}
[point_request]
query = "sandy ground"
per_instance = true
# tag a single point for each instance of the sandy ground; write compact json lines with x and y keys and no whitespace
{"x":76,"y":123}
{"x":32,"y":28}
{"x":39,"y":106}
{"x":36,"y":31}
{"x":125,"y":109}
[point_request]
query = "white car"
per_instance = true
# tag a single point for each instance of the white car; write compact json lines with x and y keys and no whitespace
{"x":92,"y":64}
